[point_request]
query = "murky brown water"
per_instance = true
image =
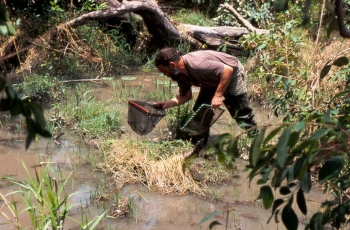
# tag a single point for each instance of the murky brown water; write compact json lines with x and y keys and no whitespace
{"x":153,"y":210}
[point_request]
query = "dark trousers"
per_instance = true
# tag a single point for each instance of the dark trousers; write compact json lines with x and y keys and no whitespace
{"x":238,"y":106}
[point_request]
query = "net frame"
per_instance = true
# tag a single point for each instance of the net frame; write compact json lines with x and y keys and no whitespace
{"x":143,"y":116}
{"x":202,"y":119}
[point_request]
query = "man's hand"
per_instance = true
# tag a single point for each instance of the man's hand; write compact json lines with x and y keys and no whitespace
{"x":216,"y":102}
{"x":162,"y":105}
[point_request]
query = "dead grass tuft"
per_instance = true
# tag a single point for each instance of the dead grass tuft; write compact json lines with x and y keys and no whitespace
{"x":63,"y":41}
{"x":131,"y":163}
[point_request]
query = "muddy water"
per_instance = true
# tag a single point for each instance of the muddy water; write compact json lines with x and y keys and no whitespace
{"x":234,"y":200}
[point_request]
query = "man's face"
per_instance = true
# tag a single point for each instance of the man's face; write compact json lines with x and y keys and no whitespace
{"x":170,"y":71}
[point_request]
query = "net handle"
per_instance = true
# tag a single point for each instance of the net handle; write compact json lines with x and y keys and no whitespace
{"x":139,"y":107}
{"x":189,"y":120}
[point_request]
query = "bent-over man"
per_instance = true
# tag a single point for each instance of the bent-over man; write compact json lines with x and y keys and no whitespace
{"x":220,"y":77}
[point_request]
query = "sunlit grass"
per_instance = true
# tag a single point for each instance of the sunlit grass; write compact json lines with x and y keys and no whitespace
{"x":191,"y":17}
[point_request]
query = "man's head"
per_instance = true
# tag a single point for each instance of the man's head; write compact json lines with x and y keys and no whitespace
{"x":166,"y":60}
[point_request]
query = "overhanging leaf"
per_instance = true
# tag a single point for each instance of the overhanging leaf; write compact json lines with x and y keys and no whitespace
{"x":325,"y":71}
{"x":31,"y":132}
{"x":330,"y":7}
{"x":3,"y":83}
{"x":11,"y":30}
{"x":3,"y":29}
{"x":276,"y":204}
{"x":289,"y":218}
{"x":213,"y":224}
{"x":331,"y":168}
{"x":38,"y":115}
{"x":305,"y":182}
{"x":293,"y":140}
{"x":284,"y":190}
{"x":266,"y":195}
{"x":281,"y":5}
{"x":341,"y":61}
{"x":301,"y":201}
{"x":300,"y":126}
{"x":332,"y":27}
{"x":232,"y":149}
{"x":282,"y":149}
{"x":316,"y":221}
{"x":271,"y":135}
{"x":327,"y":116}
{"x":255,"y":153}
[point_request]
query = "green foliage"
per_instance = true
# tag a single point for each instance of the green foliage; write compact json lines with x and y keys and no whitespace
{"x":45,"y":200}
{"x":32,"y":112}
{"x":91,"y":5}
{"x":40,"y":88}
{"x":6,"y":27}
{"x":285,"y":159}
{"x":258,"y":13}
{"x":194,"y":18}
{"x":289,"y":75}
{"x":91,"y":119}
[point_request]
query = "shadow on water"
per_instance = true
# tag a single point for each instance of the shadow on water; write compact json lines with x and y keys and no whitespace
{"x":235,"y":200}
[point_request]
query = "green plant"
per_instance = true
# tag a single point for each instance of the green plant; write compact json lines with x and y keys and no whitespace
{"x":46,"y":201}
{"x":32,"y":112}
{"x":194,"y":18}
{"x":288,"y":157}
{"x":6,"y":28}
{"x":91,"y":119}
{"x":300,"y":85}
{"x":91,"y":5}
{"x":258,"y":13}
{"x":40,"y":88}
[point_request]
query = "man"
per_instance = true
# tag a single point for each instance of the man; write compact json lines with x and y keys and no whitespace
{"x":220,"y":77}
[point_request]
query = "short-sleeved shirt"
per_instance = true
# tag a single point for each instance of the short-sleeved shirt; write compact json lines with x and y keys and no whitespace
{"x":205,"y":68}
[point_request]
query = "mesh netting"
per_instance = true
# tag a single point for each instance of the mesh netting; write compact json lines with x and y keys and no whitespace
{"x":143,"y":117}
{"x":202,"y":120}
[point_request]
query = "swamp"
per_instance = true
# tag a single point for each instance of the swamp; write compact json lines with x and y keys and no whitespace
{"x":69,"y":159}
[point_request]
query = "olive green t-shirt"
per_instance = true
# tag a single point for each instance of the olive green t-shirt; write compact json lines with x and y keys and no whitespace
{"x":205,"y":68}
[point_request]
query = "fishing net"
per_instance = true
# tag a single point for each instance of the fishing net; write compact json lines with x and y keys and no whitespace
{"x":202,"y":120}
{"x":143,"y":117}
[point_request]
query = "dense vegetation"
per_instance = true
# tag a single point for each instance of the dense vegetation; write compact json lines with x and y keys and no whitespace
{"x":301,"y":72}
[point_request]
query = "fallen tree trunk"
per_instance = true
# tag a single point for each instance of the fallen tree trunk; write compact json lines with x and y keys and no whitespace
{"x":159,"y":27}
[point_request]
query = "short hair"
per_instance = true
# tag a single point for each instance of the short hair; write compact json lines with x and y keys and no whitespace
{"x":167,"y":55}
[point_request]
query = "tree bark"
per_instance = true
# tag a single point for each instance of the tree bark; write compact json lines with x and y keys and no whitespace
{"x":160,"y":27}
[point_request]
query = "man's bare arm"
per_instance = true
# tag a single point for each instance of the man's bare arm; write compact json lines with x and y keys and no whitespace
{"x":176,"y":101}
{"x":224,"y":81}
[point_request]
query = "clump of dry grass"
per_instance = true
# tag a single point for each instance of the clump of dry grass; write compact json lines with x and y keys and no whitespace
{"x":62,"y":41}
{"x":128,"y":162}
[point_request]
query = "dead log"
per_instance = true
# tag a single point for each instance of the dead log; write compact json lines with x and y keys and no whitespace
{"x":161,"y":28}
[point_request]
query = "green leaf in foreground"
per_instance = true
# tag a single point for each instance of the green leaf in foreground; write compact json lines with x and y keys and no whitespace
{"x":266,"y":195}
{"x":341,"y":61}
{"x":331,"y":168}
{"x":301,"y":201}
{"x":213,"y":224}
{"x":282,"y":149}
{"x":211,"y":215}
{"x":325,"y":71}
{"x":255,"y":153}
{"x":289,"y":218}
